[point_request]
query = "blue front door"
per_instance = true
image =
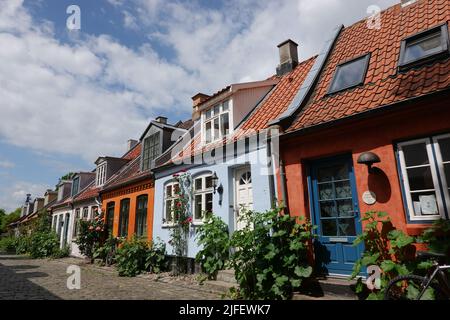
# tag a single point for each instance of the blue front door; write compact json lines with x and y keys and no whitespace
{"x":336,"y":214}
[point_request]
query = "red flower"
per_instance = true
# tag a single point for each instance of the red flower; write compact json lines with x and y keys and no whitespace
{"x":176,"y":175}
{"x":178,"y":204}
{"x":189,"y":220}
{"x":98,"y":229}
{"x":91,"y":228}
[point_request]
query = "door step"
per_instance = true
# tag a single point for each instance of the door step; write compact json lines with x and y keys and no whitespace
{"x":330,"y":288}
{"x":226,"y":276}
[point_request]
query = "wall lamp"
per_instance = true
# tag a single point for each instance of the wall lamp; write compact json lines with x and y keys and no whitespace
{"x":369,"y":158}
{"x":217,"y":188}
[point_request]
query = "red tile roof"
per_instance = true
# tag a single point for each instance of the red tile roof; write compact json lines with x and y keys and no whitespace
{"x":271,"y":108}
{"x":133,"y":153}
{"x":383,"y":85}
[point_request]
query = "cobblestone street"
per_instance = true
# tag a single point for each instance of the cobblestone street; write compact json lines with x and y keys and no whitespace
{"x":24,"y":278}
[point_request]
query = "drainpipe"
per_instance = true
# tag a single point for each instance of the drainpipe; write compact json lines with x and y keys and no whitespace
{"x":283,"y":187}
{"x":270,"y":167}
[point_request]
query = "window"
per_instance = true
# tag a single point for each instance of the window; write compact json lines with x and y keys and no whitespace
{"x":141,"y":216}
{"x":123,"y":218}
{"x":171,"y":193}
{"x":85,"y":213}
{"x":426,"y":45}
{"x":203,"y":197}
{"x":101,"y":174}
{"x":75,"y":186}
{"x":110,"y":217}
{"x":424,"y":164}
{"x":76,"y":223}
{"x":151,"y":150}
{"x":350,"y":74}
{"x":217,"y":122}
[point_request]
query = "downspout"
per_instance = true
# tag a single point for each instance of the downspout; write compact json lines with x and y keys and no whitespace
{"x":270,"y":168}
{"x":283,"y":187}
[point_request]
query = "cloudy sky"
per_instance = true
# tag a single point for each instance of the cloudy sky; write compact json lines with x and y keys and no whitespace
{"x":68,"y":96}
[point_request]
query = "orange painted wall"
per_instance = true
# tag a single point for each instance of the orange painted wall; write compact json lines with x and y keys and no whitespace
{"x":377,"y":134}
{"x":131,"y":192}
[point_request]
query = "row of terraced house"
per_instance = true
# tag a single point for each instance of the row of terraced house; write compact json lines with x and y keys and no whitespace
{"x":362,"y":126}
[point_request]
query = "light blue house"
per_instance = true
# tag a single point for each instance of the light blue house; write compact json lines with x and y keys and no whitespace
{"x":227,"y":157}
{"x":223,"y":177}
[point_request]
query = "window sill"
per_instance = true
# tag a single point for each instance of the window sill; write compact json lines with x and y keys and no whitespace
{"x":168,"y":225}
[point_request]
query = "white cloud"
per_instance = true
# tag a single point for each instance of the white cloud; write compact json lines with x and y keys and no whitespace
{"x":6,"y":164}
{"x":13,"y":196}
{"x":129,"y":20}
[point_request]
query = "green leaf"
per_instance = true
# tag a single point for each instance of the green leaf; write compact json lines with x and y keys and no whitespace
{"x":387,"y":265}
{"x":303,"y":271}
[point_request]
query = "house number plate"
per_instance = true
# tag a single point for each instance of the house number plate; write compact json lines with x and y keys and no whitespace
{"x":338,"y":239}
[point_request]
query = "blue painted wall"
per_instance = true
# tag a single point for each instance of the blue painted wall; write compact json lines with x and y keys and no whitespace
{"x":225,"y":171}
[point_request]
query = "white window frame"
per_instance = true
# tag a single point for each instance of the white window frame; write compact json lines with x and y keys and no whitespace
{"x":434,"y":174}
{"x":219,"y":117}
{"x":100,"y":177}
{"x":169,"y":222}
{"x":440,"y":164}
{"x":203,"y":192}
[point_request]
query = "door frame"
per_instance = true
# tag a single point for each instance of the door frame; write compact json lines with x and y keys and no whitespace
{"x":235,"y":190}
{"x":340,"y":158}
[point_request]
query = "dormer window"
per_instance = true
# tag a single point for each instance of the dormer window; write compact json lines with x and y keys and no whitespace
{"x":152,"y":149}
{"x":75,"y":186}
{"x":350,"y":74}
{"x":424,"y":46}
{"x":216,"y":122}
{"x":100,"y":178}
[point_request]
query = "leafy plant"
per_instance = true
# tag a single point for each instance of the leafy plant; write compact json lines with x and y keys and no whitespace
{"x":107,"y":252}
{"x":43,"y":244}
{"x":213,"y":237}
{"x":156,"y":260}
{"x":131,"y":257}
{"x":8,"y":244}
{"x":61,"y":253}
{"x":270,"y":256}
{"x":23,"y":243}
{"x":386,"y":247}
{"x":437,"y":238}
{"x":90,"y":235}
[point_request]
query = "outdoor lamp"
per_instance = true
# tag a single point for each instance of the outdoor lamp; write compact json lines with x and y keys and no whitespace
{"x":368,"y":158}
{"x":219,"y":189}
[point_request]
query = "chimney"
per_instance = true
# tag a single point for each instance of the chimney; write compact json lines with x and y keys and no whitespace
{"x":131,"y":144}
{"x":288,"y":57}
{"x":161,"y":119}
{"x":406,"y":3}
{"x":197,"y":100}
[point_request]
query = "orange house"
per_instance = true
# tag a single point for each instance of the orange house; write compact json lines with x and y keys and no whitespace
{"x":128,"y":197}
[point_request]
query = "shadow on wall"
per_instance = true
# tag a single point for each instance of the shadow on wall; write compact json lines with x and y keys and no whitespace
{"x":378,"y":182}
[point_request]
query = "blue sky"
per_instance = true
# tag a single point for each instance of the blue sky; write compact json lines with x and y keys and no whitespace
{"x":67,"y":97}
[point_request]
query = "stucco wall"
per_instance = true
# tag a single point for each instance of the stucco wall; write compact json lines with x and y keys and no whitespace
{"x":225,"y":173}
{"x":377,"y":134}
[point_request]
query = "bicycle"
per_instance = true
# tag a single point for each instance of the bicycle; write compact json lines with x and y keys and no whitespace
{"x":434,"y":286}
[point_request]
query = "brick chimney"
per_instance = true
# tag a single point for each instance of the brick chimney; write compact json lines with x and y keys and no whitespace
{"x":161,"y":119}
{"x":197,"y":100}
{"x":288,"y":57}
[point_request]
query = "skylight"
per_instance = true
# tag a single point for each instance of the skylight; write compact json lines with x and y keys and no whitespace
{"x":424,"y":46}
{"x":350,"y":74}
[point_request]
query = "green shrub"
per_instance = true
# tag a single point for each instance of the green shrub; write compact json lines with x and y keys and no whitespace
{"x":270,"y":257}
{"x":23,"y":244}
{"x":213,"y":237}
{"x":61,"y":253}
{"x":386,"y":247}
{"x":156,"y":260}
{"x":8,"y":244}
{"x":107,"y":252}
{"x":43,"y":244}
{"x":131,"y":257}
{"x":437,"y":238}
{"x":90,"y":235}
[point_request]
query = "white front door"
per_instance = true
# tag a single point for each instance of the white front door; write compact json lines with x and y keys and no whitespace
{"x":244,"y":194}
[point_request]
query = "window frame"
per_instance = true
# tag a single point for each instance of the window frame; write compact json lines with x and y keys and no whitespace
{"x":156,"y":147}
{"x":405,"y":65}
{"x":440,"y":167}
{"x":75,"y":183}
{"x":166,"y":222}
{"x":217,"y":116}
{"x":121,"y":218}
{"x":76,"y":221}
{"x":202,"y":192}
{"x":404,"y":180}
{"x":140,"y":212}
{"x":366,"y":57}
{"x":100,"y":178}
{"x":109,"y":206}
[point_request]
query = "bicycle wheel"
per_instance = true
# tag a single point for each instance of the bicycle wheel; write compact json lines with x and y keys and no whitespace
{"x":409,"y":287}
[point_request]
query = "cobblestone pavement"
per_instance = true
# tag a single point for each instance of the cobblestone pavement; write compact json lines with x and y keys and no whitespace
{"x":24,"y":278}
